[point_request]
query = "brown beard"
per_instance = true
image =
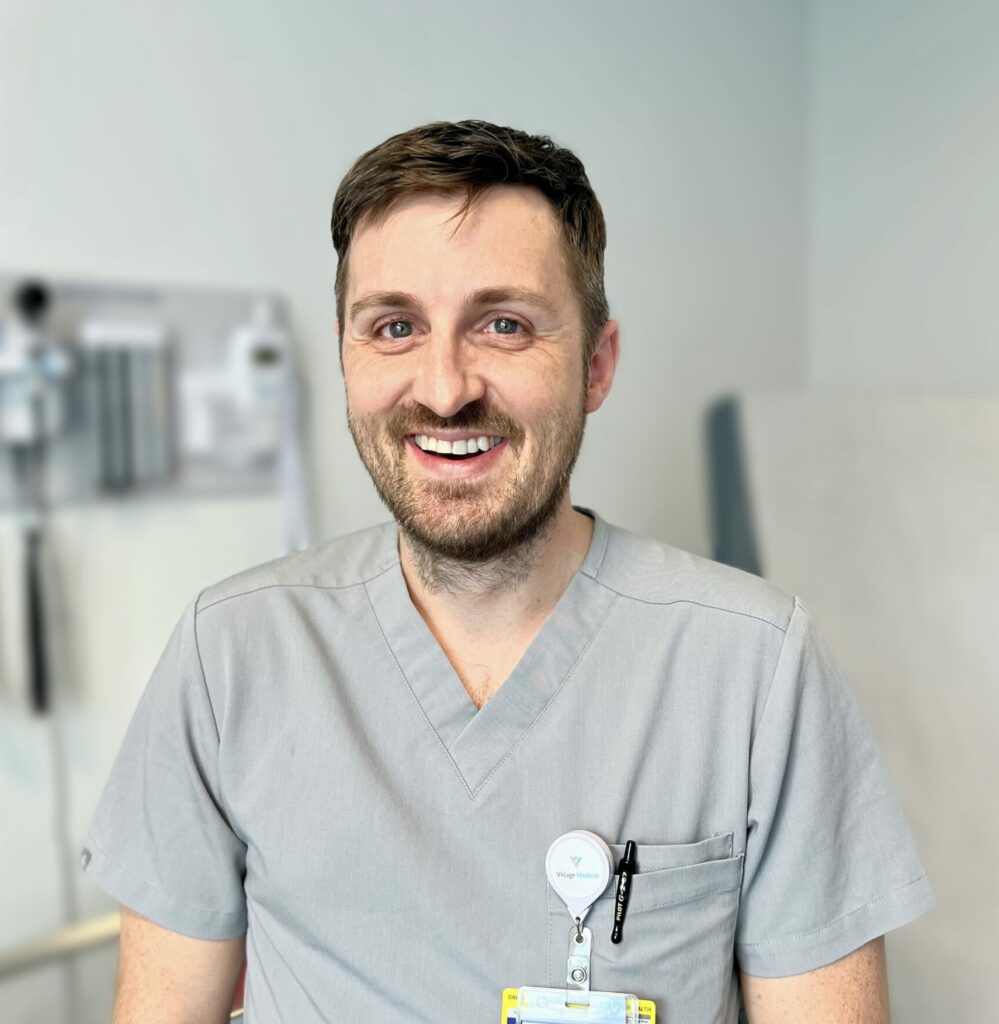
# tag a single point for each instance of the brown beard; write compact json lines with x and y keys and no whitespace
{"x":453,"y":521}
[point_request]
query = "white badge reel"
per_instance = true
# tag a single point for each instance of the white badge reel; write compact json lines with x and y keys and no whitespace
{"x":579,"y":867}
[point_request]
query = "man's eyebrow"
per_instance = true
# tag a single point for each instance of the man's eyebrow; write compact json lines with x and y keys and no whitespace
{"x":497,"y":296}
{"x":483,"y":297}
{"x":376,"y":299}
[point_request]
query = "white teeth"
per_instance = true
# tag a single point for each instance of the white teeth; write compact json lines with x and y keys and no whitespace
{"x":469,"y":446}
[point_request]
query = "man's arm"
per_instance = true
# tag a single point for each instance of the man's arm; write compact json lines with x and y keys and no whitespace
{"x":166,"y":978}
{"x":853,"y":990}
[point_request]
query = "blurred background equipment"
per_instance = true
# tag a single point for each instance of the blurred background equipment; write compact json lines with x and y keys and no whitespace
{"x":882,"y":510}
{"x":132,"y":420}
{"x":148,"y":392}
{"x":33,"y":385}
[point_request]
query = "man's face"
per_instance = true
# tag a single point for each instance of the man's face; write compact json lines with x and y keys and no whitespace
{"x":462,"y":355}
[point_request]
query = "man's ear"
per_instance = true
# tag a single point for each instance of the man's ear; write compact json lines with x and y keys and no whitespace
{"x":602,"y":365}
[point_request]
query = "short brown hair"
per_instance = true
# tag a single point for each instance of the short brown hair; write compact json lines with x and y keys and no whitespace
{"x":471,"y":157}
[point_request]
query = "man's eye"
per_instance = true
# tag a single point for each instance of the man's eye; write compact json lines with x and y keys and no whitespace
{"x":394,"y":329}
{"x":506,"y":325}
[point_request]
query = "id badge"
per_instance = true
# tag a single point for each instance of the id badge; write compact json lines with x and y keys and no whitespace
{"x":550,"y":1005}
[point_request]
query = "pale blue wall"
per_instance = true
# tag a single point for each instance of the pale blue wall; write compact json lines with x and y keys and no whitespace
{"x":903,"y":201}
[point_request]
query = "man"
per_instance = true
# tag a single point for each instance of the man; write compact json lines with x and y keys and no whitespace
{"x":350,"y":763}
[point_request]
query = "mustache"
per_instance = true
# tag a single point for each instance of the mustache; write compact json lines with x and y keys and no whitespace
{"x":477,"y":416}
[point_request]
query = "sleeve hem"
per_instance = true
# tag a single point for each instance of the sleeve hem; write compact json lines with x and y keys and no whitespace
{"x":166,"y":911}
{"x":798,"y":954}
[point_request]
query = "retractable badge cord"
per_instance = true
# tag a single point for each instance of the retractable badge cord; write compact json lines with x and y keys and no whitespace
{"x":579,"y":866}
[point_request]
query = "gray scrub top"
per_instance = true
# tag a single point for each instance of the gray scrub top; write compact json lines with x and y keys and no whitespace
{"x":305,"y":765}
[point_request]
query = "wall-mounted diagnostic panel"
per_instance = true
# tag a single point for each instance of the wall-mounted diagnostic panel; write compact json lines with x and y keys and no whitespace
{"x":110,"y":390}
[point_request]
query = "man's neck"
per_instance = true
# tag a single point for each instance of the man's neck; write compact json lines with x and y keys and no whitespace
{"x":481,"y":605}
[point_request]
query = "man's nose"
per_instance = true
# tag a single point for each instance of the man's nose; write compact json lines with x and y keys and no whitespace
{"x":447,"y":378}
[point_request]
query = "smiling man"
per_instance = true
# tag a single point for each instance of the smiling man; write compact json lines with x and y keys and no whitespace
{"x":350,"y":763}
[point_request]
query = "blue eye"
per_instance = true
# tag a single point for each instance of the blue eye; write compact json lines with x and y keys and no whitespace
{"x":506,"y":320}
{"x":393,"y":324}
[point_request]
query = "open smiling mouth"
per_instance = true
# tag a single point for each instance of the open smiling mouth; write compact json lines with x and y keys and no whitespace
{"x":455,"y":450}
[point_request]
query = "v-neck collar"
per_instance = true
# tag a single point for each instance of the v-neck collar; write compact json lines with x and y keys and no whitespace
{"x":479,"y":740}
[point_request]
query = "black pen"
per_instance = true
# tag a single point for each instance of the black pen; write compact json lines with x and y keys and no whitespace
{"x":626,"y":869}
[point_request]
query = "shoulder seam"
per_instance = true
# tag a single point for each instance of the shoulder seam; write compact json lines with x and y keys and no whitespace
{"x":305,"y":586}
{"x":201,"y":667}
{"x":770,"y":685}
{"x":687,"y":600}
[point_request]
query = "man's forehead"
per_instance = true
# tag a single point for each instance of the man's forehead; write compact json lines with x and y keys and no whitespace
{"x":509,"y":237}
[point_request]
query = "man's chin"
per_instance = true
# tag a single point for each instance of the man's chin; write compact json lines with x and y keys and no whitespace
{"x":463,"y":536}
{"x":460,"y":542}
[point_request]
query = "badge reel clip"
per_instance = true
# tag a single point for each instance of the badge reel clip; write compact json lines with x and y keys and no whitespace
{"x":579,"y":866}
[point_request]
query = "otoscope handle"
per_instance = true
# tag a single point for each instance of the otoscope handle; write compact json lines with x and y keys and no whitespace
{"x":38,"y":667}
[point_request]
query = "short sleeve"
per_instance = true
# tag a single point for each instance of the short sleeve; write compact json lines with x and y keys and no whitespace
{"x":160,"y":842}
{"x":830,"y":863}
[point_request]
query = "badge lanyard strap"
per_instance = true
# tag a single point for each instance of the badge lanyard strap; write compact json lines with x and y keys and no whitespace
{"x":579,"y":866}
{"x":577,"y":975}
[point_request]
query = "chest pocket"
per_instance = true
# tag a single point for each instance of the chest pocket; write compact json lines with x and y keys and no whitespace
{"x":679,"y":930}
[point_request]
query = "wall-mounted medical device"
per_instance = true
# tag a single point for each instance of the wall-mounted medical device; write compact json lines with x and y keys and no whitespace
{"x":111,"y":392}
{"x":136,"y":390}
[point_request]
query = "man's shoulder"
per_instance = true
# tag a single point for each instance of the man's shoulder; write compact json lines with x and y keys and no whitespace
{"x":336,"y":564}
{"x":655,"y":572}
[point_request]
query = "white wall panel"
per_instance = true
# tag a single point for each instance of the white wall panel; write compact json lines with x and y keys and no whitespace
{"x":880,"y":512}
